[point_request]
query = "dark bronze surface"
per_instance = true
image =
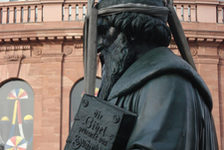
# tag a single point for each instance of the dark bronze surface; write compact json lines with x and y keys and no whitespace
{"x":141,"y":75}
{"x":100,"y":126}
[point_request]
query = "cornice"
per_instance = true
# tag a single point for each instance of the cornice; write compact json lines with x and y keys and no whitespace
{"x":41,"y":31}
{"x":7,"y":4}
{"x":41,"y":2}
{"x":204,"y":32}
{"x":45,"y":38}
{"x":38,"y":2}
{"x":201,"y":39}
{"x":203,"y":2}
{"x":39,"y":52}
{"x":41,"y":38}
{"x":34,"y":60}
{"x":221,"y":3}
{"x":205,"y":59}
{"x":35,"y":30}
{"x":76,"y":1}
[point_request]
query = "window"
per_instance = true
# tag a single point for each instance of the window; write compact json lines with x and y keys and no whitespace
{"x":69,"y":12}
{"x":29,"y":12}
{"x":182,"y":12}
{"x":189,"y":13}
{"x":1,"y":15}
{"x":63,"y":12}
{"x":42,"y":13}
{"x":175,"y":7}
{"x":77,"y":12}
{"x":222,"y":15}
{"x":196,"y":12}
{"x":36,"y":13}
{"x":218,"y":14}
{"x":16,"y":115}
{"x":22,"y":14}
{"x":7,"y":20}
{"x":15,"y":13}
{"x":84,"y":11}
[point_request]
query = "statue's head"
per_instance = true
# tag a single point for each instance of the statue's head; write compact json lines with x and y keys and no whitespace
{"x":136,"y":26}
{"x":107,"y":3}
{"x":118,"y":35}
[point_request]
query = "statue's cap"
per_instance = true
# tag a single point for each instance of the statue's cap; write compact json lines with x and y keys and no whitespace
{"x":107,"y":3}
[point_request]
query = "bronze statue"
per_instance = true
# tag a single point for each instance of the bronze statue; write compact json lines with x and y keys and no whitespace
{"x":140,"y":74}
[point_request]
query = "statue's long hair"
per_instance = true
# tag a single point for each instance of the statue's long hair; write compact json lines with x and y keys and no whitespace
{"x":138,"y":27}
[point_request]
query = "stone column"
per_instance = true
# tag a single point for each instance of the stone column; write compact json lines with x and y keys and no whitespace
{"x":221,"y":92}
{"x":18,"y":15}
{"x":208,"y":69}
{"x":50,"y":115}
{"x":11,"y":14}
{"x":32,"y":13}
{"x":193,"y":13}
{"x":25,"y":14}
{"x":4,"y":15}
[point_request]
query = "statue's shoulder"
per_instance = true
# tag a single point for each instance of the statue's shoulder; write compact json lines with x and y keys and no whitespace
{"x":153,"y":63}
{"x":158,"y":62}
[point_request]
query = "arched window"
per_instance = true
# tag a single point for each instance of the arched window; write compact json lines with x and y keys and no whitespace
{"x":16,"y":115}
{"x":76,"y":96}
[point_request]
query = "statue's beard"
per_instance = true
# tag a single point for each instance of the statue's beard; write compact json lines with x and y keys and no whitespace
{"x":115,"y":60}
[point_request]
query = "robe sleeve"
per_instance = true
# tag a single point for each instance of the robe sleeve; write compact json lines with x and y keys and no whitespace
{"x":162,"y":112}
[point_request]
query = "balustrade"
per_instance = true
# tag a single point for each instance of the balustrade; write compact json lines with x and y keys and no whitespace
{"x":186,"y":12}
{"x":74,"y":11}
{"x":25,"y":12}
{"x":220,"y":14}
{"x":21,"y":14}
{"x":34,"y":12}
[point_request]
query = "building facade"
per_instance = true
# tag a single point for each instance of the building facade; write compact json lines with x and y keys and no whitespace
{"x":41,"y":64}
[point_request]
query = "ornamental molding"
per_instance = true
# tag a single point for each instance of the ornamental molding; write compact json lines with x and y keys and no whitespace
{"x":14,"y":57}
{"x":37,"y":52}
{"x":194,"y":50}
{"x":14,"y":47}
{"x":41,"y":38}
{"x":78,"y":45}
{"x":68,"y":51}
{"x":17,"y":52}
{"x":52,"y":55}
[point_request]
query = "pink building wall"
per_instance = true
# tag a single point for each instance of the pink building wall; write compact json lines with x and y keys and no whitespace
{"x":52,"y":60}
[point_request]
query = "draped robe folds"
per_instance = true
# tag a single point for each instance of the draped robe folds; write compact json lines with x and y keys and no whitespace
{"x":172,"y":102}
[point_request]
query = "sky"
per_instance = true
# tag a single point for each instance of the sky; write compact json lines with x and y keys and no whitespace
{"x":4,"y":0}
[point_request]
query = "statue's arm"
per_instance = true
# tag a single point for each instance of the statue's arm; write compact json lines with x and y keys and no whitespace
{"x":162,"y":112}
